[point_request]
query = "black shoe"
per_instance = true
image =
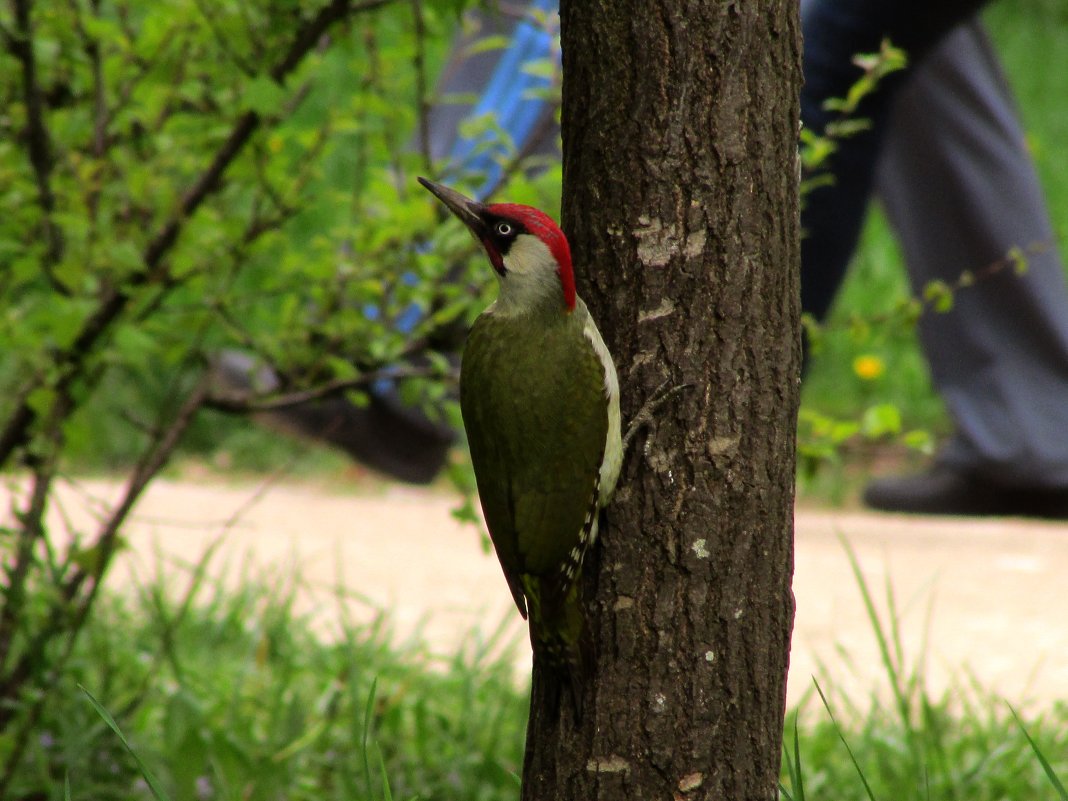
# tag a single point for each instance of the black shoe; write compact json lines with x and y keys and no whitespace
{"x":943,"y":490}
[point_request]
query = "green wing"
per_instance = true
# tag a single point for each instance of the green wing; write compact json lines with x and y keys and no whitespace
{"x":536,"y":416}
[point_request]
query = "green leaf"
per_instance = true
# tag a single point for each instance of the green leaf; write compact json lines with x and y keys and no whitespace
{"x":843,"y":129}
{"x":881,"y":420}
{"x":307,"y":739}
{"x":126,"y":256}
{"x":1018,"y":259}
{"x":486,"y":44}
{"x":910,"y":310}
{"x":136,"y":343}
{"x":1062,"y":794}
{"x":149,"y":777}
{"x":263,"y":95}
{"x":859,"y":329}
{"x":383,"y":773}
{"x":88,"y":559}
{"x":540,"y":68}
{"x":459,"y":98}
{"x":365,"y":738}
{"x":842,"y":430}
{"x":103,"y":29}
{"x":939,"y":295}
{"x":41,"y":400}
{"x":920,"y":440}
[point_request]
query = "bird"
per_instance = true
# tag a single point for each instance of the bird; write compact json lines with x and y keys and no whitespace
{"x":539,"y":398}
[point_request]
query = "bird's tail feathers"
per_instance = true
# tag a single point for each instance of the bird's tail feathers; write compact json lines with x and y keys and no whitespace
{"x":560,"y":641}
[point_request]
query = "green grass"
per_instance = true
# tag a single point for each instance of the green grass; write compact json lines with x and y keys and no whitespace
{"x":906,"y":743}
{"x":233,"y":695}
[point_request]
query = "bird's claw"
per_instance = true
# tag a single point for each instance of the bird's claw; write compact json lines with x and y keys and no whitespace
{"x":645,"y":415}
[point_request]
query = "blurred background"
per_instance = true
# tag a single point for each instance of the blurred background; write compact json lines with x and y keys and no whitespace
{"x":220,"y":282}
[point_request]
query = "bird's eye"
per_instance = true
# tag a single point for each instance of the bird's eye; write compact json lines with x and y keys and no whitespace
{"x":504,"y":229}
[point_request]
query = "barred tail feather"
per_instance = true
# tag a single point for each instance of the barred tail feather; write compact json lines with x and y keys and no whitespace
{"x":553,"y":681}
{"x":559,"y":640}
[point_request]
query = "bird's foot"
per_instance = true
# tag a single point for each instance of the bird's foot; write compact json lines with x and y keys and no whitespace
{"x":663,"y":394}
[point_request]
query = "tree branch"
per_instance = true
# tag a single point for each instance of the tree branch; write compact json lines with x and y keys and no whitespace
{"x":99,"y":143}
{"x":247,"y":402}
{"x":32,"y":529}
{"x":38,"y":139}
{"x":309,"y":35}
{"x":422,"y":102}
{"x":241,"y":63}
{"x":100,"y":104}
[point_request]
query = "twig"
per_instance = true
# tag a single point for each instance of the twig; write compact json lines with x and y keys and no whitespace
{"x":38,"y":139}
{"x":422,"y":101}
{"x":308,"y":36}
{"x":246,"y":403}
{"x":99,"y":143}
{"x":32,"y":530}
{"x":100,"y":102}
{"x":220,"y":38}
{"x":1014,"y":259}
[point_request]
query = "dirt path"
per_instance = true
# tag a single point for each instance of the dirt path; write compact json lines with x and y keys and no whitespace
{"x":989,"y":598}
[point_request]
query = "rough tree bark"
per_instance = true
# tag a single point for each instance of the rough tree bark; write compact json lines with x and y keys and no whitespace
{"x":680,"y":123}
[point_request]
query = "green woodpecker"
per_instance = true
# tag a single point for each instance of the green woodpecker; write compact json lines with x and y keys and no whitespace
{"x":540,"y":403}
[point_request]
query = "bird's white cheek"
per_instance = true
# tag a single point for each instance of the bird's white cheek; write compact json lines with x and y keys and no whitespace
{"x":530,"y":278}
{"x":528,"y":255}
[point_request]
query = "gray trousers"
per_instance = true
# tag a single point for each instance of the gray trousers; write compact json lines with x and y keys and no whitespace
{"x":960,"y":190}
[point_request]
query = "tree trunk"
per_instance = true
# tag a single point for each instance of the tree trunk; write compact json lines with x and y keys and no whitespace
{"x":680,"y":123}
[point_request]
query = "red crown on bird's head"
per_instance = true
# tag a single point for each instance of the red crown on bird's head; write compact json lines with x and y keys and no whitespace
{"x":543,"y":226}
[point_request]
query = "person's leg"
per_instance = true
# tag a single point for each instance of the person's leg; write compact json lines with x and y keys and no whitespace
{"x":960,"y":190}
{"x":834,"y":32}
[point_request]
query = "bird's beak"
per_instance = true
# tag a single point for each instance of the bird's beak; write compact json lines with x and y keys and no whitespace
{"x":469,"y":211}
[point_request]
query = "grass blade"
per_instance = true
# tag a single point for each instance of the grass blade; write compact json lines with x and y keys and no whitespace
{"x":150,"y":779}
{"x":838,"y":731}
{"x":797,"y":781}
{"x":793,"y":769}
{"x":1046,"y":767}
{"x":383,"y":773}
{"x":891,"y":653}
{"x":885,"y":651}
{"x":368,"y":711}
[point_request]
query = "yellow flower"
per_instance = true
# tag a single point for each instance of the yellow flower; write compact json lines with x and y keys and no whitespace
{"x":868,"y":367}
